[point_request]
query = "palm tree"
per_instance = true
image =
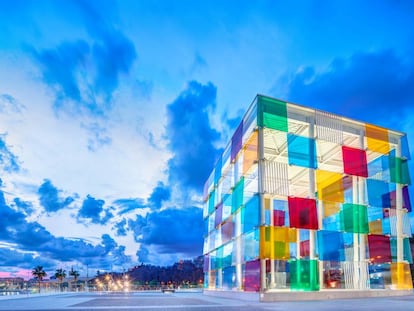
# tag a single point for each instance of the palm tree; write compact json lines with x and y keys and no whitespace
{"x":60,"y":275}
{"x":39,"y":274}
{"x":75,"y":275}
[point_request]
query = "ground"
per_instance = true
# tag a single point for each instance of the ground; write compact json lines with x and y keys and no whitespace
{"x":151,"y":301}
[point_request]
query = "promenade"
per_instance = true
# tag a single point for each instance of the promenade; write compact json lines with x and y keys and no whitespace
{"x":156,"y":301}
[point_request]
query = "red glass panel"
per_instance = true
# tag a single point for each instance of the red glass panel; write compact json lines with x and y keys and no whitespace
{"x":278,"y":218}
{"x":379,"y":248}
{"x":302,"y":213}
{"x":355,"y":161}
{"x":304,"y":248}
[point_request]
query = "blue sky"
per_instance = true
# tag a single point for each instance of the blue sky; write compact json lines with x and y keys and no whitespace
{"x":112,"y":113}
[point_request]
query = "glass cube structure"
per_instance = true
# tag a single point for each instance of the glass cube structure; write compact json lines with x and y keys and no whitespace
{"x":305,"y":200}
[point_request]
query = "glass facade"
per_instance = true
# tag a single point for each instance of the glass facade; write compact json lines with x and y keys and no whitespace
{"x":305,"y":200}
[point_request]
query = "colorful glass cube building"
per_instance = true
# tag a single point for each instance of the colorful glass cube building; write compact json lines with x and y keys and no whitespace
{"x":305,"y":200}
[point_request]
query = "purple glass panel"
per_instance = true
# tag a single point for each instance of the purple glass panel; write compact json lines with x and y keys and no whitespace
{"x":219,"y":213}
{"x":406,"y":199}
{"x":236,"y":141}
{"x":252,"y":276}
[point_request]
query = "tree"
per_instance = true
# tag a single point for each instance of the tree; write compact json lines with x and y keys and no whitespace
{"x":60,"y":275}
{"x":39,"y":274}
{"x":75,"y":275}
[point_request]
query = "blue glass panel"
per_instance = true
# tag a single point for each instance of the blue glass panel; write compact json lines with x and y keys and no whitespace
{"x":302,"y":151}
{"x":331,"y":245}
{"x":378,"y":193}
{"x":250,"y":214}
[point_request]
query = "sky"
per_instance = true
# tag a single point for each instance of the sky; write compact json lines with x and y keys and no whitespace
{"x":113,"y":113}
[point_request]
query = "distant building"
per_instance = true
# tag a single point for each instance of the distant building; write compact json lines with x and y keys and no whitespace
{"x":305,"y":200}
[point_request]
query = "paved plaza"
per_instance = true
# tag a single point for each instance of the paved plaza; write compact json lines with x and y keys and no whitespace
{"x":152,"y":301}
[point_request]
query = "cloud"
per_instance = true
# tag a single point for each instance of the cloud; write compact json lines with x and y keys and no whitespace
{"x":98,"y":136}
{"x":49,"y":197}
{"x":35,"y":245}
{"x":370,"y":86}
{"x":128,"y":205}
{"x":188,"y":121}
{"x":24,"y":206}
{"x":93,"y":209}
{"x":171,"y":231}
{"x":8,"y":161}
{"x":159,"y":194}
{"x":84,"y":73}
{"x":9,"y":104}
{"x":121,"y":228}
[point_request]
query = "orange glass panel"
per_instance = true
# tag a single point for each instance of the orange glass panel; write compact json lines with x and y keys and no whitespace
{"x":330,"y":208}
{"x":377,"y":138}
{"x":401,"y":275}
{"x":250,"y":152}
{"x":375,"y":226}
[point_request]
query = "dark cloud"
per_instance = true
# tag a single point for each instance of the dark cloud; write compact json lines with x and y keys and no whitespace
{"x":25,"y":206}
{"x":171,"y":231}
{"x":367,"y":86}
{"x":31,"y":238}
{"x":159,"y":194}
{"x":93,"y":210}
{"x":128,"y":205}
{"x":8,"y":161}
{"x":121,"y":228}
{"x":191,"y":137}
{"x":143,"y":254}
{"x":49,"y":197}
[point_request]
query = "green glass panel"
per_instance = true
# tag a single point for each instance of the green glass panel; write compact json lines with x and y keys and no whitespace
{"x":406,"y":250}
{"x":280,"y":249}
{"x":304,"y":275}
{"x":272,"y":113}
{"x":211,"y":202}
{"x":237,"y":197}
{"x":399,"y":172}
{"x":354,"y":218}
{"x":219,"y":258}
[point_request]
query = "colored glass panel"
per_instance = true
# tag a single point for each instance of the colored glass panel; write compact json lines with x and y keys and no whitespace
{"x":302,"y":213}
{"x":211,"y":202}
{"x":378,"y":193}
{"x":250,"y":214}
{"x":355,"y":161}
{"x":272,"y":114}
{"x":304,"y":275}
{"x":377,"y":138}
{"x":375,"y":226}
{"x":406,"y":199}
{"x":330,"y":186}
{"x":354,"y":218}
{"x":274,"y":242}
{"x":227,"y":205}
{"x":229,"y":277}
{"x":302,"y":151}
{"x":217,"y":171}
{"x":236,"y":141}
{"x":250,"y":152}
{"x":237,"y":197}
{"x":250,"y":245}
{"x":407,"y":256}
{"x":251,"y":276}
{"x":227,"y":230}
{"x":330,"y":208}
{"x":218,"y":216}
{"x":305,"y":248}
{"x":401,"y":275}
{"x":399,"y":171}
{"x":279,"y":218}
{"x":405,"y":150}
{"x":379,"y":248}
{"x":330,"y":245}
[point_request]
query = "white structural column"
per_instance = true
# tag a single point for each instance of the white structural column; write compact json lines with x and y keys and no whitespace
{"x":312,"y":233}
{"x":272,"y":261}
{"x":261,"y":202}
{"x":363,"y":274}
{"x":399,"y":209}
{"x":356,"y":235}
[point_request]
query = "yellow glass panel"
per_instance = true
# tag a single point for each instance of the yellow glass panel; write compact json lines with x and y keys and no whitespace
{"x":375,"y":226}
{"x":377,"y":138}
{"x":250,"y":152}
{"x":330,"y":186}
{"x":330,"y":208}
{"x":401,"y":275}
{"x":274,"y":242}
{"x":267,"y":203}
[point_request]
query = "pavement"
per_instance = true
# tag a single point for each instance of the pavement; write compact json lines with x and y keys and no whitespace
{"x":188,"y":301}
